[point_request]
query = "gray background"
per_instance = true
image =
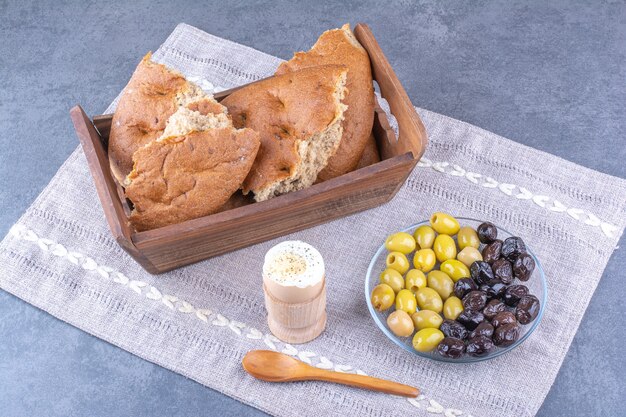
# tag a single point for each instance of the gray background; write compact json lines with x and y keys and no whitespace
{"x":551,"y":76}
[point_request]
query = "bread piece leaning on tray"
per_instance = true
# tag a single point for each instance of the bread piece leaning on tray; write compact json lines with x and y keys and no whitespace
{"x":180,"y":155}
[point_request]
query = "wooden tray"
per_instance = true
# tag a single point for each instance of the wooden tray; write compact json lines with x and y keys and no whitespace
{"x":173,"y":246}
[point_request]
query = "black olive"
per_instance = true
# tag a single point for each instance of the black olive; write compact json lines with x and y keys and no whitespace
{"x":491,"y":294}
{"x":527,"y":309}
{"x":513,"y":294}
{"x":494,"y":291}
{"x":481,"y":273}
{"x":475,"y":300}
{"x":512,"y":247}
{"x":492,"y":252}
{"x":503,"y":270}
{"x":451,"y":347}
{"x":463,"y":286}
{"x":483,"y":329}
{"x":492,"y":308}
{"x":479,"y":346}
{"x":506,"y":334}
{"x":487,"y":232}
{"x":470,"y":319}
{"x":503,"y":317}
{"x":451,"y":328}
{"x":523,"y":267}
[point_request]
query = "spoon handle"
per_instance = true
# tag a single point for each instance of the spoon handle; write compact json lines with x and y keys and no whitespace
{"x":366,"y":382}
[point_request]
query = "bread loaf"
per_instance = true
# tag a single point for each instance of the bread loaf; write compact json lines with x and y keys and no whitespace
{"x":152,"y":95}
{"x":184,"y":177}
{"x":340,"y":47}
{"x":298,"y":116}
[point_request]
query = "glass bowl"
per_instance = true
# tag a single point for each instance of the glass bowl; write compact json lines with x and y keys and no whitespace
{"x":536,"y":285}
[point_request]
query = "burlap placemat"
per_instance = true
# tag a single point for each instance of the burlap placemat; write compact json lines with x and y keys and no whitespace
{"x":200,"y":320}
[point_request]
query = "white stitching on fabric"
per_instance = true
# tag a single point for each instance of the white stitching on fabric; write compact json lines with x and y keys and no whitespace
{"x":150,"y":292}
{"x":542,"y":201}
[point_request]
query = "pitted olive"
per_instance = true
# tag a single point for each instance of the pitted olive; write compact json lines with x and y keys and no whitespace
{"x":400,"y":323}
{"x":455,"y":269}
{"x":429,"y":299}
{"x":424,"y":260}
{"x":444,"y":223}
{"x":425,"y":319}
{"x":405,"y":300}
{"x":397,"y":261}
{"x":467,"y":237}
{"x":452,"y":308}
{"x":392,"y":278}
{"x":424,"y":237}
{"x":382,"y":297}
{"x":427,"y":339}
{"x":469,"y":255}
{"x":440,"y":282}
{"x":414,"y":280}
{"x":444,"y":247}
{"x":400,"y":242}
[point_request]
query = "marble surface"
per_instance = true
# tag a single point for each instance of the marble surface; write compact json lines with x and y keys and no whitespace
{"x":547,"y":74}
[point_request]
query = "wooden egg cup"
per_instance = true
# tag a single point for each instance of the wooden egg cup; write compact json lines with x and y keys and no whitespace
{"x":296,"y":322}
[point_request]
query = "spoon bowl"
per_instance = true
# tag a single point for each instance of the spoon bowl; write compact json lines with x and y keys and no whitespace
{"x":271,"y":366}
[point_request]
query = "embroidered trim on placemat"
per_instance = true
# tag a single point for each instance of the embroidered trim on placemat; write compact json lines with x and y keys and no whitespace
{"x":549,"y":203}
{"x":174,"y":303}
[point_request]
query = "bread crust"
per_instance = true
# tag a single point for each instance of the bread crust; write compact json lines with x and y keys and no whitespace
{"x":285,"y":110}
{"x":152,"y":95}
{"x":190,"y":176}
{"x":339,"y":46}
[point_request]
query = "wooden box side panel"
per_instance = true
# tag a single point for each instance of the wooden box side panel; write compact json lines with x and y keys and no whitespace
{"x":178,"y":245}
{"x":106,"y":187}
{"x":412,"y":134}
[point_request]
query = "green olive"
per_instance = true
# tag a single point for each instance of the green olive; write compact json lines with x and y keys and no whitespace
{"x":440,"y":282}
{"x":455,"y":269}
{"x":444,"y":248}
{"x":427,"y":339}
{"x":415,"y":279}
{"x":398,"y":261}
{"x":467,"y":237}
{"x":405,"y":301}
{"x":392,"y":278}
{"x":400,"y":323}
{"x":424,"y":237}
{"x":452,"y":308}
{"x":425,"y":319}
{"x":444,"y":223}
{"x":400,"y":242}
{"x":469,"y":255}
{"x":429,"y":299}
{"x":424,"y":260}
{"x":382,"y":297}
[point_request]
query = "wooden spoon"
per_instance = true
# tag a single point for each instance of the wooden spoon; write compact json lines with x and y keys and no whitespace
{"x":278,"y":367}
